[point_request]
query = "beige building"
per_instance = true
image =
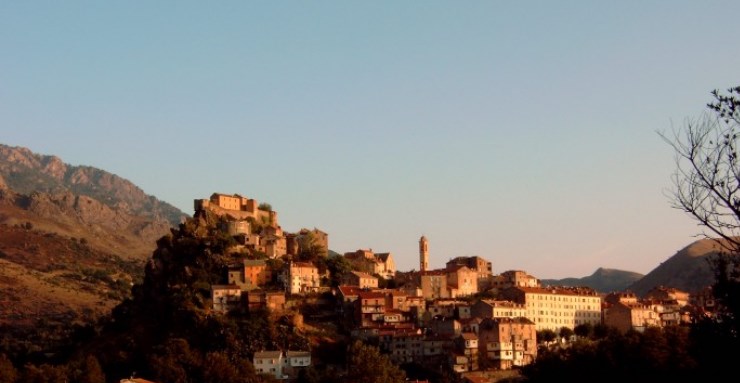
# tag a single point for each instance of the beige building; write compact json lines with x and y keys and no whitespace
{"x":386,"y":266}
{"x":627,"y":316}
{"x":508,"y":342}
{"x":434,"y":284}
{"x":458,"y":281}
{"x":269,"y":362}
{"x":465,"y":355}
{"x":490,"y":308}
{"x":363,"y":280}
{"x":514,"y":278}
{"x":236,"y":207}
{"x":556,"y":307}
{"x":481,"y":266}
{"x":301,"y":278}
{"x":225,"y":297}
{"x":462,"y":281}
{"x":366,"y":261}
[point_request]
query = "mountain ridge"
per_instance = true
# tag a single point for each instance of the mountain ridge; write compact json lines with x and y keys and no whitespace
{"x":690,"y":269}
{"x":26,"y":172}
{"x":603,"y":280}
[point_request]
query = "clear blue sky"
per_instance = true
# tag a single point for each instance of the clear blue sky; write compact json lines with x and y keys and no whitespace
{"x":523,"y":132}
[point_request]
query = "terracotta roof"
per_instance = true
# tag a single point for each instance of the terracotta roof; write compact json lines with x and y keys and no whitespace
{"x":469,"y":336}
{"x":583,"y":291}
{"x":349,"y":290}
{"x":370,"y":295}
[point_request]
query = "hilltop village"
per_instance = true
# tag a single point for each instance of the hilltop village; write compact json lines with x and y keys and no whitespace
{"x":463,"y":316}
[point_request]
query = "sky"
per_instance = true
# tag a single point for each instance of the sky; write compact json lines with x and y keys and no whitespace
{"x":524,"y":132}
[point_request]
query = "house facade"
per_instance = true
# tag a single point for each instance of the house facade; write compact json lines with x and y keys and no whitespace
{"x":301,"y":278}
{"x":507,"y":342}
{"x":225,"y":297}
{"x":556,"y":307}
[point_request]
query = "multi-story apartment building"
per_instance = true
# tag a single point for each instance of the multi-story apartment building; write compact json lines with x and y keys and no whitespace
{"x":490,"y":308}
{"x":628,"y":316}
{"x":465,"y":354}
{"x":370,"y":308}
{"x":300,"y":278}
{"x":256,"y":273}
{"x":434,"y":284}
{"x":225,"y":297}
{"x":269,"y":362}
{"x":508,"y":342}
{"x":556,"y":307}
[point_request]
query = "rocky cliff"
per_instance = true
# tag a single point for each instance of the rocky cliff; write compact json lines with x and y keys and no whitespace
{"x":26,"y":172}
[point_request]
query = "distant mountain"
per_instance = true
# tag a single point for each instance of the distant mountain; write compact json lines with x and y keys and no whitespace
{"x":688,"y":270}
{"x":602,"y":280}
{"x":73,"y":239}
{"x":26,"y":172}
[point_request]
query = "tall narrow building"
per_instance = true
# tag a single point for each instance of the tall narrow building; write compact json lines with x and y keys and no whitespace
{"x":423,"y":254}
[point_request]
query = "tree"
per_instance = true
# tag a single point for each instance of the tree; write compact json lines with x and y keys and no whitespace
{"x":706,"y":185}
{"x":91,"y":371}
{"x":265,"y":206}
{"x":584,"y":330}
{"x":565,"y":332}
{"x":8,"y":373}
{"x":338,"y":268}
{"x":368,"y":365}
{"x":546,"y":335}
{"x":310,"y":249}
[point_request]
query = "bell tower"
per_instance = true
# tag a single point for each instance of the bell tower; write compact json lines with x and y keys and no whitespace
{"x":423,"y":254}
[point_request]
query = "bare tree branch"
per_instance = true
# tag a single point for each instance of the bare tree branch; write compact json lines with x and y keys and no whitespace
{"x":706,"y":183}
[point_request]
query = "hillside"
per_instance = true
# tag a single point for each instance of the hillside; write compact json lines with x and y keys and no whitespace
{"x":72,"y":242}
{"x":602,"y":280}
{"x":688,"y":270}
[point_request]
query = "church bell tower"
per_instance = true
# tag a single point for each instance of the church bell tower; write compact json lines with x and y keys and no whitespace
{"x":423,"y":254}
